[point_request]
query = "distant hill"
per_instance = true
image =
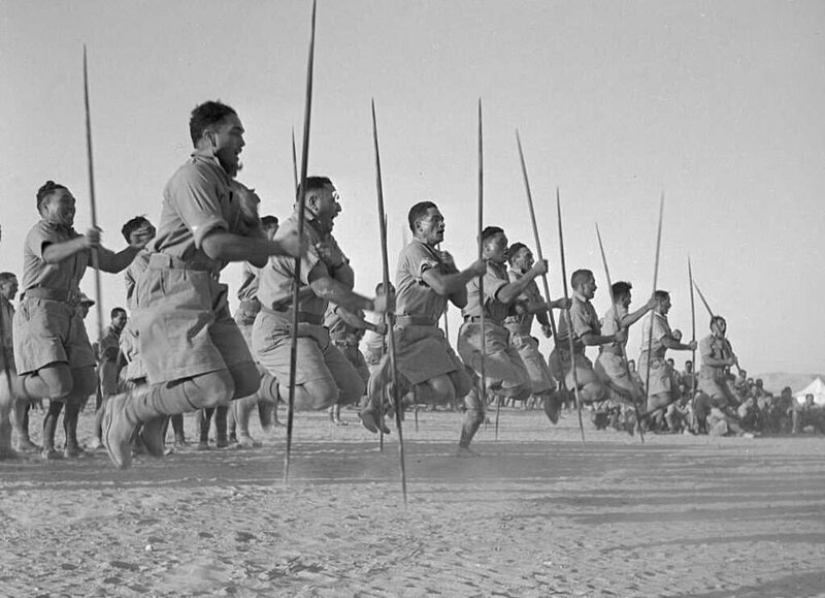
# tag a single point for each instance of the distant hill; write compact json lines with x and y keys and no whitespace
{"x":776,"y":381}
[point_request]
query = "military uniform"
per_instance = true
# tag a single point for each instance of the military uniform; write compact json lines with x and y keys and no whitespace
{"x":611,"y":367}
{"x":319,"y":361}
{"x":583,"y":321}
{"x":653,"y":356}
{"x":713,"y":380}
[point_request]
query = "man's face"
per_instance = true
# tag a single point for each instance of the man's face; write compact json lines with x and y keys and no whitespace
{"x":8,"y":289}
{"x":523,"y":260}
{"x":588,"y":288}
{"x":84,"y":310}
{"x":323,"y":203}
{"x":431,"y":227}
{"x":719,"y":327}
{"x":495,"y":248}
{"x":688,"y":366}
{"x":625,"y":300}
{"x":119,"y":321}
{"x":59,"y":207}
{"x":227,"y":143}
{"x":664,"y":306}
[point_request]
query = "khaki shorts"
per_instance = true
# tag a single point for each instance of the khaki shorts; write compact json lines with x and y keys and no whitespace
{"x":46,"y":332}
{"x":561,"y":368}
{"x":317,"y":359}
{"x":183,"y":324}
{"x":423,"y":352}
{"x":612,"y":370}
{"x":502,"y":362}
{"x":660,"y":376}
{"x":718,"y":391}
{"x":537,"y":368}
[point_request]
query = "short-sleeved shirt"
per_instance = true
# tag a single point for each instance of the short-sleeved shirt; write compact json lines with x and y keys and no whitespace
{"x":108,"y":346}
{"x":584,"y":321}
{"x":661,"y":331}
{"x":339,"y":330}
{"x":715,"y":348}
{"x":65,"y":274}
{"x":495,"y":278}
{"x":250,"y":283}
{"x":611,"y":324}
{"x":414,"y":297}
{"x":198,"y":199}
{"x":523,"y":323}
{"x":277,"y":278}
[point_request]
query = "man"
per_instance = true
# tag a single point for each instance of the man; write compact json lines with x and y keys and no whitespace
{"x":52,"y":350}
{"x":505,"y":372}
{"x":193,"y":352}
{"x":611,"y":367}
{"x":324,"y":377}
{"x":13,"y":412}
{"x":582,"y":323}
{"x":528,"y":306}
{"x":717,"y":358}
{"x":426,"y":279}
{"x":653,"y":368}
{"x":107,"y":352}
{"x":807,"y":414}
{"x":266,"y":399}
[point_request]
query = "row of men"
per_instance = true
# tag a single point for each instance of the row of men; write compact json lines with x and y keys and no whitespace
{"x":192,"y":354}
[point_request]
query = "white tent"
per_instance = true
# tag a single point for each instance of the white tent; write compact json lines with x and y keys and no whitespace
{"x":816,"y":388}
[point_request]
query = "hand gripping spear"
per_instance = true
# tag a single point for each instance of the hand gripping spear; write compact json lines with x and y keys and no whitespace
{"x":618,"y":324}
{"x":388,"y":317}
{"x":569,"y":321}
{"x":482,"y":391}
{"x":293,"y":356}
{"x":540,"y":256}
{"x":90,"y":162}
{"x":653,"y":314}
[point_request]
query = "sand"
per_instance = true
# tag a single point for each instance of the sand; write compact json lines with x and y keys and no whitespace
{"x":537,"y":514}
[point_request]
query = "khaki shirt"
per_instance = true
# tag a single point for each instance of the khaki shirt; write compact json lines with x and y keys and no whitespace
{"x":62,"y":275}
{"x":339,"y":330}
{"x":584,"y":321}
{"x":716,"y":348}
{"x":198,"y":199}
{"x":277,"y":278}
{"x":106,"y":349}
{"x":495,"y":278}
{"x":611,"y":324}
{"x":523,"y":323}
{"x":414,"y":297}
{"x":661,"y":330}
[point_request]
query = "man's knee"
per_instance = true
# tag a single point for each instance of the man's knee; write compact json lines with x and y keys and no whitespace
{"x":441,"y":390}
{"x":315,"y":395}
{"x":246,"y":379}
{"x":268,"y":390}
{"x":211,"y":390}
{"x":57,"y":379}
{"x":593,"y":392}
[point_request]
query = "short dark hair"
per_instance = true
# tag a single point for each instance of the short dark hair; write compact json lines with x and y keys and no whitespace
{"x":717,"y":318}
{"x":207,"y":115}
{"x":491,"y":231}
{"x":621,"y":288}
{"x":580,"y":277}
{"x":313,"y":183}
{"x":419,"y":211}
{"x":7,"y":276}
{"x":116,"y":311}
{"x":513,"y":250}
{"x":46,"y":189}
{"x":132,"y":225}
{"x":661,"y":295}
{"x":268,"y":221}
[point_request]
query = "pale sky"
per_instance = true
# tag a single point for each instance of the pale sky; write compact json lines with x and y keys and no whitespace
{"x":720,"y":105}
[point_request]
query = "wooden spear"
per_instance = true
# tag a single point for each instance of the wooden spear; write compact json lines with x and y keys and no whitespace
{"x":692,"y":331}
{"x":389,"y":319}
{"x":653,"y":313}
{"x":93,"y":204}
{"x":618,"y":326}
{"x":569,"y":321}
{"x":294,"y":162}
{"x":537,"y":241}
{"x":481,"y":301}
{"x":296,"y":301}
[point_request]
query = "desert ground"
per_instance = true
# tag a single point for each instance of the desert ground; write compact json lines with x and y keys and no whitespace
{"x":537,"y":513}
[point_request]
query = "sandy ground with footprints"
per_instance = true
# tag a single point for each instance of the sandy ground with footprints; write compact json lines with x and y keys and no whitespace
{"x":536,"y":514}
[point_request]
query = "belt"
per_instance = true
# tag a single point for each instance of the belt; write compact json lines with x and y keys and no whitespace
{"x":64,"y":295}
{"x":303,"y":316}
{"x":415,"y":321}
{"x":164,"y":260}
{"x":474,"y":319}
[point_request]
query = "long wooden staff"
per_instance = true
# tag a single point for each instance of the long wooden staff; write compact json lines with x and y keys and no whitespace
{"x":537,"y":241}
{"x":93,"y":203}
{"x":483,"y":375}
{"x":294,"y":161}
{"x":618,"y":326}
{"x":293,"y":356}
{"x":692,"y":332}
{"x":653,"y":313}
{"x":389,"y":315}
{"x":569,"y":320}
